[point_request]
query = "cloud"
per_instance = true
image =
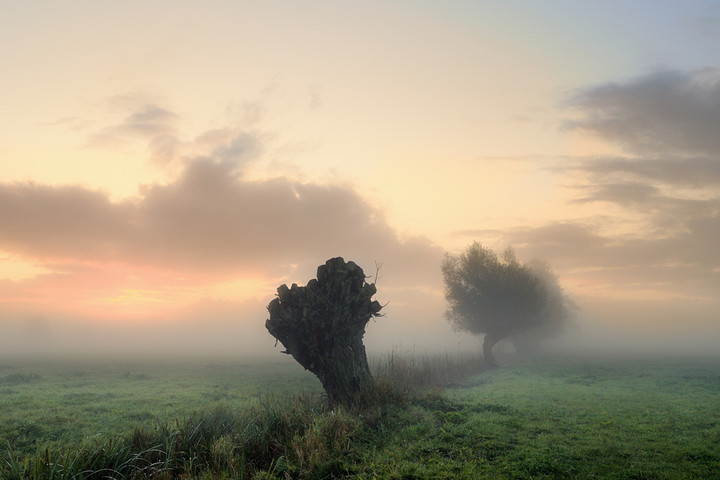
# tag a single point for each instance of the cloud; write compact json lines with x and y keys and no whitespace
{"x":622,"y":192}
{"x":684,"y":265}
{"x":691,"y":172}
{"x":664,"y":113}
{"x":662,"y":214}
{"x":666,"y":186}
{"x":61,"y":221}
{"x":209,"y":219}
{"x":157,"y":127}
{"x":177,"y":240}
{"x":144,"y":122}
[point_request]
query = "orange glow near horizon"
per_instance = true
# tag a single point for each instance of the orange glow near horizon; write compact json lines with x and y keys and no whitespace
{"x":121,"y":292}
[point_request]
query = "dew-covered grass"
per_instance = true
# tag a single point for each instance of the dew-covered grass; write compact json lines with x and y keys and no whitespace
{"x":433,"y":417}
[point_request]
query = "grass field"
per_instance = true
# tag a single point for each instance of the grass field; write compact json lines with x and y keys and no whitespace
{"x":567,"y":418}
{"x":55,"y":402}
{"x":541,"y":418}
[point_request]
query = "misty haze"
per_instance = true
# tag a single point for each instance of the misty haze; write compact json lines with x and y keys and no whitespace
{"x":334,"y":240}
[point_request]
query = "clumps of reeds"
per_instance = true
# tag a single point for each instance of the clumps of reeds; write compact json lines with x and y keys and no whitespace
{"x":408,"y":372}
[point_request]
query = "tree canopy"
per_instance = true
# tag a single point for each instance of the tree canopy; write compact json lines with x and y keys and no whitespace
{"x":499,"y":297}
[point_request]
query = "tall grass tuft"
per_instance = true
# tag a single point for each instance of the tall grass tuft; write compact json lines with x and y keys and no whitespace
{"x":408,"y":372}
{"x":281,"y":435}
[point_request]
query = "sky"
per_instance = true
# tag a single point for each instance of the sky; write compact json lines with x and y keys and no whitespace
{"x":165,"y":166}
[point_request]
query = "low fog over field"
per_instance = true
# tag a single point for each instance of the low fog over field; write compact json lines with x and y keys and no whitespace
{"x":177,"y":171}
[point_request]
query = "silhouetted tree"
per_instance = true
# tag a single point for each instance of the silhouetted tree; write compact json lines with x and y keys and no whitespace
{"x":322,"y":326}
{"x":492,"y":296}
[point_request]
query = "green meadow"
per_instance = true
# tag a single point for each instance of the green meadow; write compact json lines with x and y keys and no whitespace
{"x":57,"y":402}
{"x":434,"y":417}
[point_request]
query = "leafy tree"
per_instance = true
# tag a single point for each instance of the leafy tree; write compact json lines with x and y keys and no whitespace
{"x":558,"y":312}
{"x":322,"y":325}
{"x":496,"y":297}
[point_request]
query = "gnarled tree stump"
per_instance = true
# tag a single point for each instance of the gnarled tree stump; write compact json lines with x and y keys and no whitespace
{"x":322,"y":326}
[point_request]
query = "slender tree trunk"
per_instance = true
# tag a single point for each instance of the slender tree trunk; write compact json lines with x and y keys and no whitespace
{"x":491,"y":339}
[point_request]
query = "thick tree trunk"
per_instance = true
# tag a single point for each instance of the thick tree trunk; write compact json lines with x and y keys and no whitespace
{"x":346,"y":376}
{"x":491,"y":339}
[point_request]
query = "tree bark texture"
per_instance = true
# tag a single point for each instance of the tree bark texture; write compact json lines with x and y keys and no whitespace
{"x":322,"y":326}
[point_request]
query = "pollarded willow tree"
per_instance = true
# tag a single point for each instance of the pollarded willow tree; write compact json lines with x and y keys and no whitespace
{"x":322,"y":326}
{"x":495,"y":297}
